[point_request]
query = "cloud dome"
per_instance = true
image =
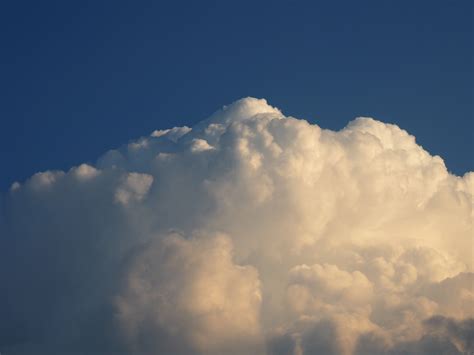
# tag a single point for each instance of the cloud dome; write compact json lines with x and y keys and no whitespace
{"x":249,"y":233}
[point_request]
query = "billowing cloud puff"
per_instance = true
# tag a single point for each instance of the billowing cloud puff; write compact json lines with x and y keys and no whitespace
{"x":249,"y":233}
{"x":191,"y":288}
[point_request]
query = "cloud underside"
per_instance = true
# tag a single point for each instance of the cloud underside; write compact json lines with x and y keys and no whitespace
{"x":249,"y":233}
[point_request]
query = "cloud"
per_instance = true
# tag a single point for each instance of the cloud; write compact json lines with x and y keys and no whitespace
{"x":251,"y":232}
{"x":191,"y":287}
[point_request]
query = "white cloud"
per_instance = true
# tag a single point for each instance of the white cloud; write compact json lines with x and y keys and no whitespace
{"x":251,"y":232}
{"x":133,"y":187}
{"x":191,"y":288}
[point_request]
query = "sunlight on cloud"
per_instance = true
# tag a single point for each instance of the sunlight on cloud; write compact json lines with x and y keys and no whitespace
{"x":249,"y":233}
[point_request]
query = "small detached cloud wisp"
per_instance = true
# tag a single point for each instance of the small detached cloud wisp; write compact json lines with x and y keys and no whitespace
{"x":249,"y":233}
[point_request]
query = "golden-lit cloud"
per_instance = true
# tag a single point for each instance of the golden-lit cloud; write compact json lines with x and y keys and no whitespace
{"x":249,"y":233}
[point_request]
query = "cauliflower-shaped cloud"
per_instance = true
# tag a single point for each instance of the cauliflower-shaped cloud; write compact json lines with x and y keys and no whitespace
{"x":249,"y":233}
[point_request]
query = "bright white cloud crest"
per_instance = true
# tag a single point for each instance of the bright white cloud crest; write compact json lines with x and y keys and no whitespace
{"x":250,"y":233}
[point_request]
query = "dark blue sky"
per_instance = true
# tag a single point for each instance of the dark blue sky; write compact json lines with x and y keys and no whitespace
{"x":79,"y":78}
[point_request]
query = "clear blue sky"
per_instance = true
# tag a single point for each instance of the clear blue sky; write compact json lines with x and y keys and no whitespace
{"x":78,"y":78}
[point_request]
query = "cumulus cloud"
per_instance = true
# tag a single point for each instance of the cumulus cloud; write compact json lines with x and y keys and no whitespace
{"x":191,"y":288}
{"x":250,"y":233}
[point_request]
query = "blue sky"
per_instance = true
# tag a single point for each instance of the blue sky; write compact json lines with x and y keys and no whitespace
{"x":79,"y":78}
